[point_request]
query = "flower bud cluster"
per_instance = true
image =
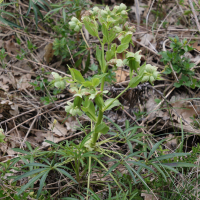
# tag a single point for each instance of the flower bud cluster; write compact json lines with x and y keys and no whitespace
{"x":73,"y":110}
{"x":151,"y":74}
{"x":75,"y":24}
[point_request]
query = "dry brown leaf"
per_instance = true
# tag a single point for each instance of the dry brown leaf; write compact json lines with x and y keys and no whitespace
{"x":23,"y":82}
{"x":13,"y":140}
{"x":181,"y":108}
{"x":11,"y":47}
{"x":149,"y":196}
{"x":49,"y":52}
{"x":14,"y":110}
{"x":196,"y":46}
{"x":171,"y":142}
{"x":121,"y":75}
{"x":4,"y":87}
{"x":39,"y":136}
{"x":58,"y":129}
{"x":49,"y":136}
{"x":71,"y":123}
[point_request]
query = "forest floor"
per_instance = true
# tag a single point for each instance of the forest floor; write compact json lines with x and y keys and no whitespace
{"x":162,"y":118}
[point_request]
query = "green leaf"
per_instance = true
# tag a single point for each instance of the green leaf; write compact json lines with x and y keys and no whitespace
{"x":87,"y":84}
{"x":111,"y":35}
{"x":29,"y":8}
{"x":99,"y":56}
{"x":36,"y":164}
{"x":135,"y":81}
{"x":42,"y":183}
{"x":108,"y":103}
{"x":157,"y":101}
{"x":76,"y":75}
{"x":7,"y":22}
{"x":102,"y":128}
{"x":180,"y":164}
{"x":142,"y":165}
{"x":169,"y":156}
{"x":24,"y":187}
{"x":78,"y":62}
{"x":87,"y":64}
{"x":27,"y":174}
{"x":155,"y":147}
{"x":95,"y":82}
{"x":89,"y":109}
{"x":66,"y":174}
{"x":122,"y":47}
{"x":91,"y":26}
{"x":126,"y":39}
{"x":110,"y":54}
{"x":111,"y":169}
{"x":94,"y":67}
{"x":105,"y":32}
{"x":99,"y":101}
{"x":169,"y":168}
{"x":158,"y":168}
{"x":21,"y":151}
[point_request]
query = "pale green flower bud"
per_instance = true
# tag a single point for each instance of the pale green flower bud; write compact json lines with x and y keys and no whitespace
{"x":117,"y":62}
{"x":75,"y":24}
{"x":95,"y":10}
{"x":116,"y":8}
{"x":151,"y":79}
{"x":107,"y":9}
{"x":74,"y":19}
{"x":91,"y":12}
{"x":117,"y":29}
{"x":124,"y":13}
{"x":104,"y":13}
{"x":145,"y":79}
{"x":155,"y":74}
{"x":77,"y":28}
{"x":132,"y":28}
{"x":72,"y":25}
{"x":150,"y":68}
{"x":122,"y":6}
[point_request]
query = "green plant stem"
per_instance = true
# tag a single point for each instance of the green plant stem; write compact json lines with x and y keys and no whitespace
{"x":95,"y":134}
{"x":115,"y":98}
{"x":85,"y":39}
{"x":88,"y":183}
{"x":100,"y":116}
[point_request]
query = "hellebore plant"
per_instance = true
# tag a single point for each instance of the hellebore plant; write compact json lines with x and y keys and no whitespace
{"x":113,"y":25}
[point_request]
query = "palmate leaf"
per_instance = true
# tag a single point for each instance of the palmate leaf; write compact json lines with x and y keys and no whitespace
{"x":29,"y":174}
{"x":42,"y":183}
{"x":23,"y":188}
{"x":66,"y":174}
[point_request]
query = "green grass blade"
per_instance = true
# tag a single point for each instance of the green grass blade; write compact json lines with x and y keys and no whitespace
{"x":29,"y":8}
